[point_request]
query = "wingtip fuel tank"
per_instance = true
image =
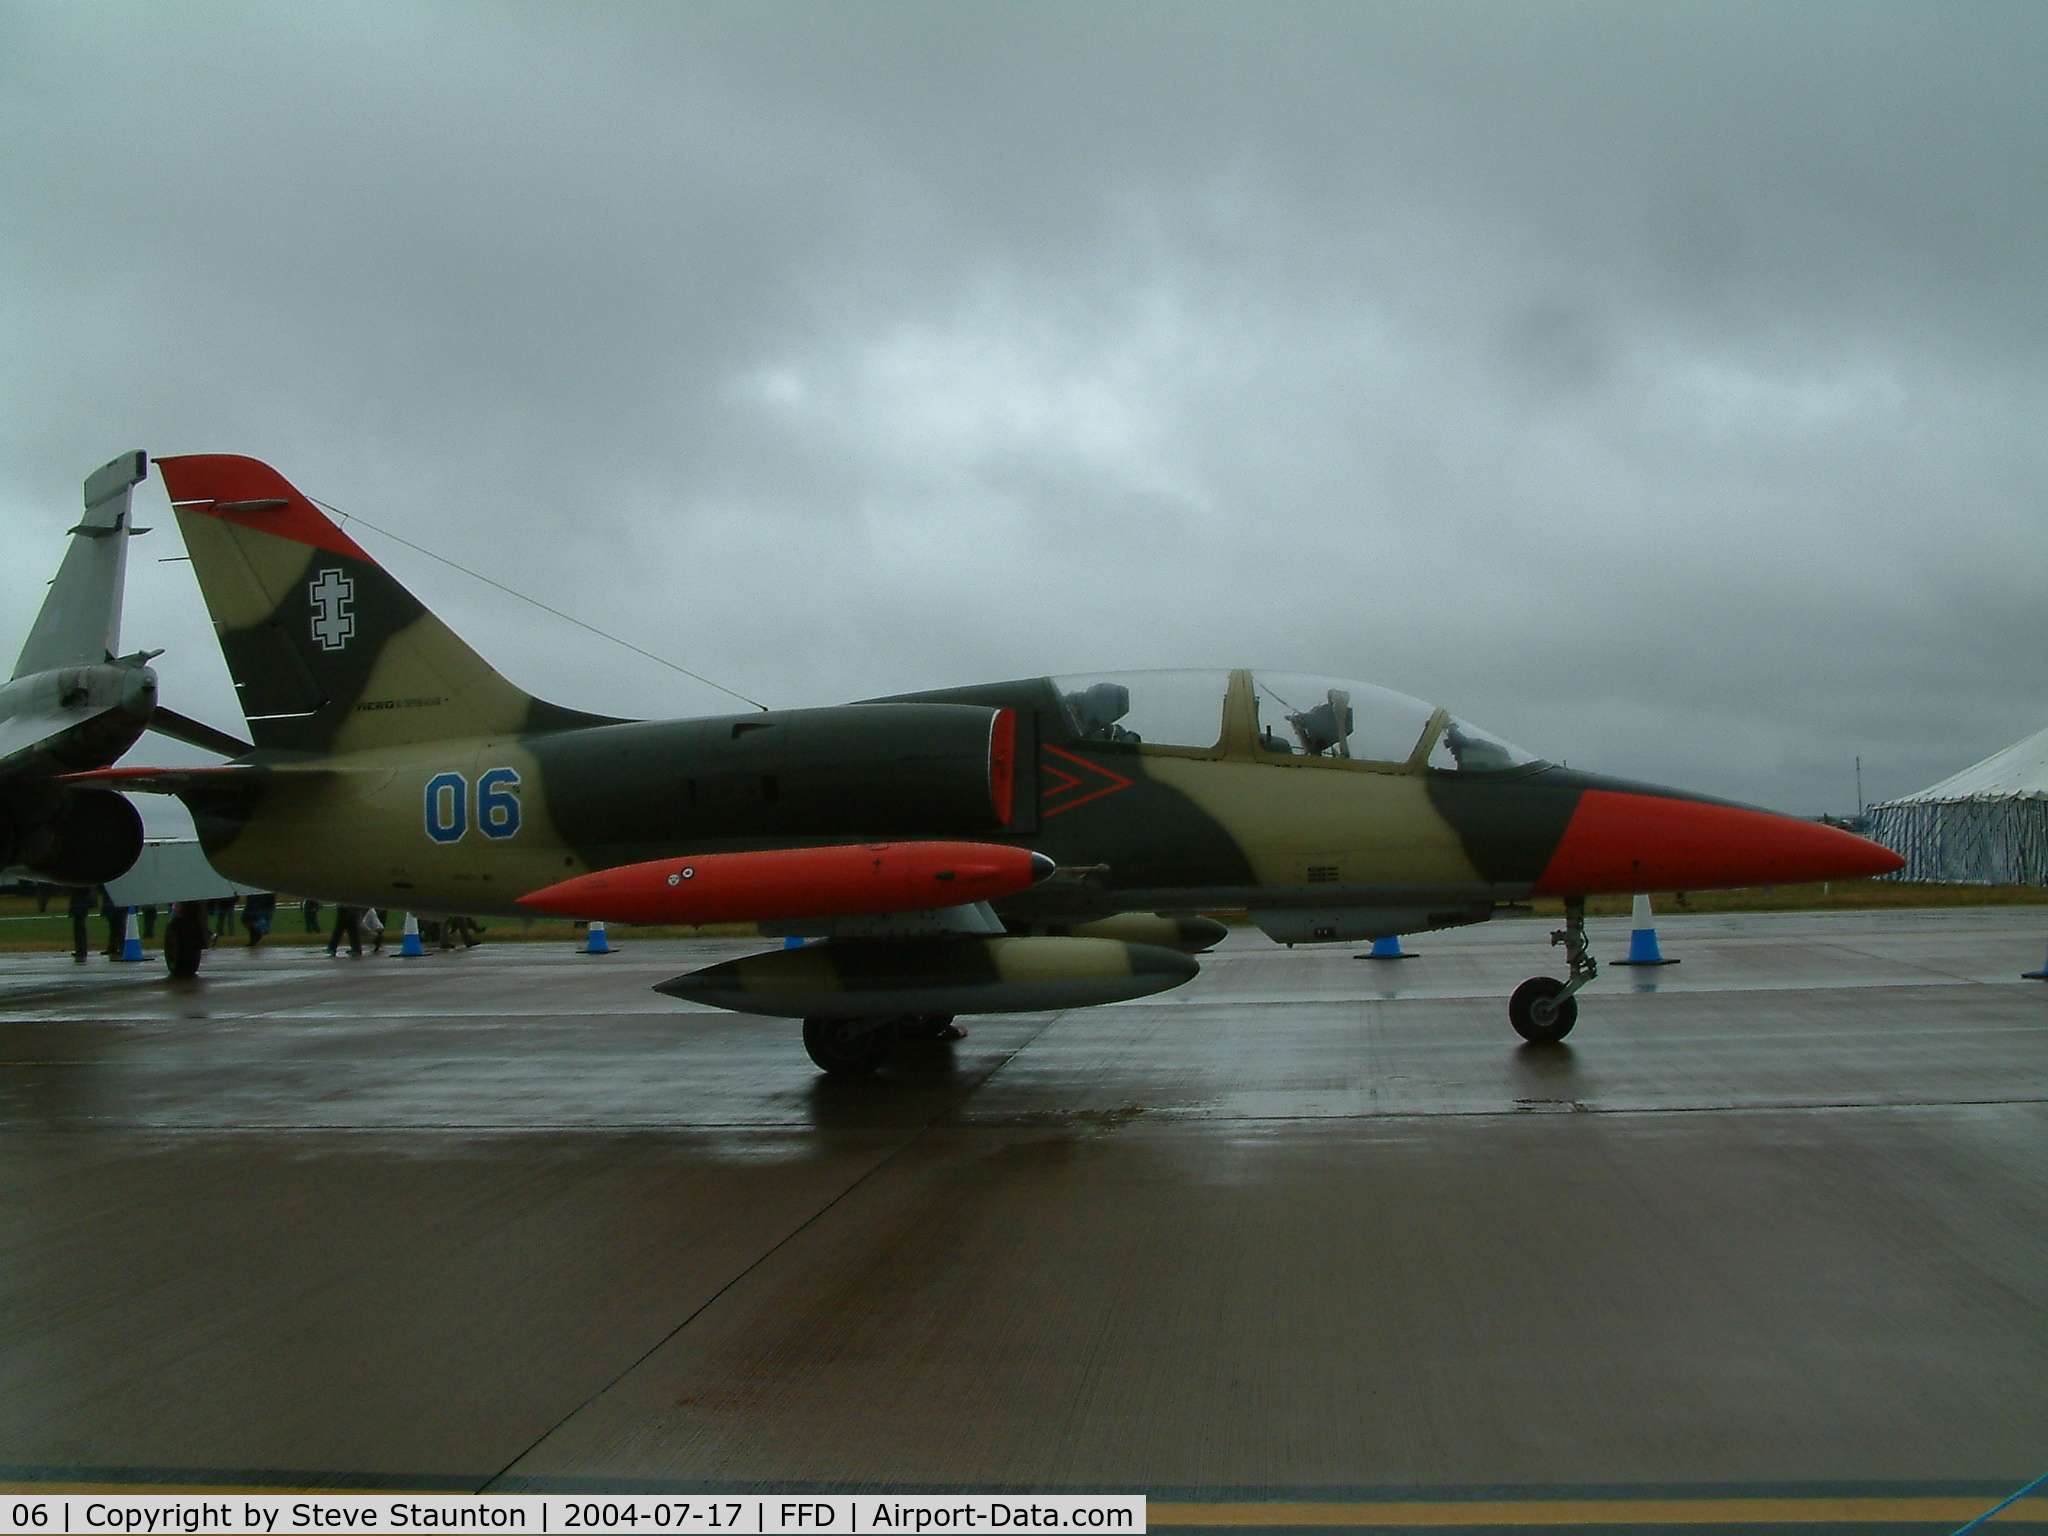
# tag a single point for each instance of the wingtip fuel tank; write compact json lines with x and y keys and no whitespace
{"x":786,"y":884}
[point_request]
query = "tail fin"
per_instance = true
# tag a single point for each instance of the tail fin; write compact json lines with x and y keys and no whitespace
{"x":80,"y":622}
{"x":327,"y":651}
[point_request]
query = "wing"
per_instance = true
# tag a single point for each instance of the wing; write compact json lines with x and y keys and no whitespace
{"x":197,"y":733}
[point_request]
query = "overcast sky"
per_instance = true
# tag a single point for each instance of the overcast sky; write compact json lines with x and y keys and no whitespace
{"x":1658,"y":386}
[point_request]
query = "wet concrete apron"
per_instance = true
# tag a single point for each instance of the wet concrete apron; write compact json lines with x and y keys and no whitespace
{"x":1774,"y":1222}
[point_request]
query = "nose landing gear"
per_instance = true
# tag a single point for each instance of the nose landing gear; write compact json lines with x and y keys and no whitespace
{"x":1543,"y":1009}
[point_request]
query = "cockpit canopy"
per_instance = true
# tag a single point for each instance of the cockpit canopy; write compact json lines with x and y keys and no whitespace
{"x":1296,"y":715}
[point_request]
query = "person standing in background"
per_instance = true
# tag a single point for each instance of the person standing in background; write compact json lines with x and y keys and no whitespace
{"x":116,"y":919}
{"x":81,"y":909}
{"x":256,"y":914}
{"x":346,"y":926}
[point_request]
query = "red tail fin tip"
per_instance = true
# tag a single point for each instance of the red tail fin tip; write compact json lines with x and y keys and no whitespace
{"x":251,"y":493}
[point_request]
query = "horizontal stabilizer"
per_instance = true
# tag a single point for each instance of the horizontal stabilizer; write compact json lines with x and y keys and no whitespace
{"x":197,"y":733}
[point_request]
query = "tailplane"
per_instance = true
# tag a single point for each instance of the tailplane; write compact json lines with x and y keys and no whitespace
{"x":327,"y":651}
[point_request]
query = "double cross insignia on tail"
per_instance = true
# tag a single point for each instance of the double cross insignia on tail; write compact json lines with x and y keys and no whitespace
{"x":333,"y":594}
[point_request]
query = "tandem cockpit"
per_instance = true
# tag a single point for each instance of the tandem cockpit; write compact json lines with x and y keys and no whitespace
{"x":1279,"y":715}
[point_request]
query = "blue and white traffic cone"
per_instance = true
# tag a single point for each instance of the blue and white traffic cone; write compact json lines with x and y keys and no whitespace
{"x":131,"y":946}
{"x":597,"y":944}
{"x":1642,"y":939}
{"x":409,"y":941}
{"x":1388,"y":948}
{"x":2040,"y":975}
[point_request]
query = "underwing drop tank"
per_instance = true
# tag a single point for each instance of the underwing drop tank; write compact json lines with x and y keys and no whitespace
{"x":865,"y":978}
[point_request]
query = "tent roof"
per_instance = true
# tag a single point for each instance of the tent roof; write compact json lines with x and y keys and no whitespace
{"x":2019,"y":771}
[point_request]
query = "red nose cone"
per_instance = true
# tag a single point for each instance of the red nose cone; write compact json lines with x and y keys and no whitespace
{"x":1620,"y":843}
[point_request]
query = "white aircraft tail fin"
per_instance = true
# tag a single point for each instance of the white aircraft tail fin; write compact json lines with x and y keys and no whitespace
{"x":80,"y":623}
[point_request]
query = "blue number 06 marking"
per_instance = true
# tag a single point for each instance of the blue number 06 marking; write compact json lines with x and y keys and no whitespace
{"x":497,"y":803}
{"x":447,"y":807}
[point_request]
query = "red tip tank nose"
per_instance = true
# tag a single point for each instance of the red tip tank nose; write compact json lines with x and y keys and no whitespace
{"x":1620,"y":843}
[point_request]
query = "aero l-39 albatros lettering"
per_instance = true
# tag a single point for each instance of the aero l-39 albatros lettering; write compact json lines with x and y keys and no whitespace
{"x":988,"y":849}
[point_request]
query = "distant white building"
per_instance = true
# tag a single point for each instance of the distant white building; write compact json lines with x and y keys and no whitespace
{"x":1987,"y":825}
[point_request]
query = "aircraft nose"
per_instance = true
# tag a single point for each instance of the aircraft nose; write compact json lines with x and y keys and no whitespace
{"x":1620,"y":842}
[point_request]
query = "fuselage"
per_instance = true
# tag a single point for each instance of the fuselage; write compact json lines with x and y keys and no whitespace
{"x":1315,"y":843}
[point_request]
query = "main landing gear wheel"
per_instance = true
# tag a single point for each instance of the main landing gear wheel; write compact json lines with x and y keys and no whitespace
{"x":848,"y":1047}
{"x":1541,"y":1011}
{"x":184,"y":941}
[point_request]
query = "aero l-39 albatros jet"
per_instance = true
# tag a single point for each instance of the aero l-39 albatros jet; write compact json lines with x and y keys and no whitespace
{"x":73,"y":704}
{"x":989,"y":849}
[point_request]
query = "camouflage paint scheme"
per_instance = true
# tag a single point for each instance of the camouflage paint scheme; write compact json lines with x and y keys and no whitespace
{"x":359,"y":699}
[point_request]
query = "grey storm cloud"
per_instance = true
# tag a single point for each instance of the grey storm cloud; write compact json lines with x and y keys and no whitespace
{"x":1659,"y":386}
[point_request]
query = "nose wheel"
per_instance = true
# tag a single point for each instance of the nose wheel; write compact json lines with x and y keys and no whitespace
{"x":1543,"y":1009}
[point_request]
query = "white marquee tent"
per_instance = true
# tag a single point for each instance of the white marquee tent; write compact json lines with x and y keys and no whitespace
{"x":1987,"y":825}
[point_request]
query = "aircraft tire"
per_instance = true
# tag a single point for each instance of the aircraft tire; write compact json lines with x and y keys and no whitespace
{"x":848,"y":1047}
{"x":1537,"y":1023}
{"x":184,"y":944}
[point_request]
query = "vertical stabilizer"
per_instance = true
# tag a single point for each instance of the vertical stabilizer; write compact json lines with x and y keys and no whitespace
{"x":327,"y":651}
{"x":80,"y":623}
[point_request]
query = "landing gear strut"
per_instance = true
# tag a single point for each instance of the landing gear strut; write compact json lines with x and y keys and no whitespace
{"x":1543,"y":1009}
